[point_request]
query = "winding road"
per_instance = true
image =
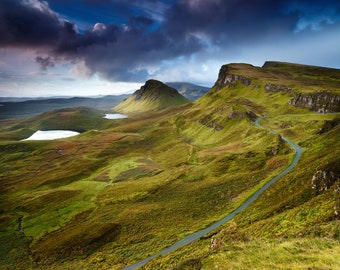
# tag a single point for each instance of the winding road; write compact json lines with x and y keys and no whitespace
{"x":197,"y":235}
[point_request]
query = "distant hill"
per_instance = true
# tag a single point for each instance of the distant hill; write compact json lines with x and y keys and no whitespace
{"x":28,"y":108}
{"x":78,"y":119}
{"x":153,"y":95}
{"x":189,"y":90}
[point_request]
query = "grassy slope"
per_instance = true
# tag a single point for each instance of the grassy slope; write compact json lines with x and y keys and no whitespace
{"x":155,"y":96}
{"x":291,"y":212}
{"x":110,"y":197}
{"x":291,"y":226}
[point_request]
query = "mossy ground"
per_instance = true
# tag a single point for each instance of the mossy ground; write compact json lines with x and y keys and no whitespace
{"x":124,"y":189}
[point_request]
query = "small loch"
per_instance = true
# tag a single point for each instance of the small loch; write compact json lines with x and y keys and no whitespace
{"x":51,"y":135}
{"x":112,"y":116}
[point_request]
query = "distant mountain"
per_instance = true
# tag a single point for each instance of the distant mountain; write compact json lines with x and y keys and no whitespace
{"x":20,"y":99}
{"x":189,"y":90}
{"x":28,"y":108}
{"x":154,"y":95}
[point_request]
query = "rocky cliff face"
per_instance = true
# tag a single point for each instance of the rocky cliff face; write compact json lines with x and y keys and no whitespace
{"x":226,"y":78}
{"x":328,"y":178}
{"x":321,"y":101}
{"x":277,"y":87}
{"x":322,"y":180}
{"x":329,"y":125}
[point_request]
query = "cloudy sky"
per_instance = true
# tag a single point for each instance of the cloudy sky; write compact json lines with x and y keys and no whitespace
{"x":91,"y":47}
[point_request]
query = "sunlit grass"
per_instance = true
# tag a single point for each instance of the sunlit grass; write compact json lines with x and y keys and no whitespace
{"x":125,"y":189}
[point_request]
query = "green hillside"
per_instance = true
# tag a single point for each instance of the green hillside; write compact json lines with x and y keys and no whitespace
{"x":18,"y":108}
{"x":77,"y":119}
{"x":152,"y":96}
{"x":126,"y":189}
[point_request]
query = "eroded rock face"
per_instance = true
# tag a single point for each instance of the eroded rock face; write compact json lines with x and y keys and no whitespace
{"x":230,"y":80}
{"x":210,"y":123}
{"x":329,"y":125}
{"x":277,"y":87}
{"x":321,"y":101}
{"x":328,"y":178}
{"x":323,"y":180}
{"x":250,"y":115}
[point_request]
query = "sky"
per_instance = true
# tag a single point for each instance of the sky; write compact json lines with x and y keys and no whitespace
{"x":100,"y":47}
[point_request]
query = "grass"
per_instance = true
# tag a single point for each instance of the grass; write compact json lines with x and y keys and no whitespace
{"x":125,"y":189}
{"x":233,"y":251}
{"x":309,"y":253}
{"x":153,"y":184}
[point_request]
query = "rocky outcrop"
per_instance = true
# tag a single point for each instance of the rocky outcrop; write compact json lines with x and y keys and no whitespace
{"x":209,"y":122}
{"x":320,"y":101}
{"x":277,"y":87}
{"x":226,"y":78}
{"x":322,"y":180}
{"x":329,"y":125}
{"x":277,"y":149}
{"x":250,"y":115}
{"x":327,"y":179}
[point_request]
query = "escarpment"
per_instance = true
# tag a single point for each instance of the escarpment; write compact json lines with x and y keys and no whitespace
{"x":320,"y":101}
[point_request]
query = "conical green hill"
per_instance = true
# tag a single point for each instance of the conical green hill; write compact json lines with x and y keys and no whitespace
{"x":152,"y":96}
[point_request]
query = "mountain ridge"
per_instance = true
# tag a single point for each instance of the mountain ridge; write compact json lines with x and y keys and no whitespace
{"x":189,"y":90}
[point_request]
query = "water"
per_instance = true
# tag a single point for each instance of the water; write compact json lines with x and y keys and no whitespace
{"x":114,"y":116}
{"x":51,"y":135}
{"x":197,"y":235}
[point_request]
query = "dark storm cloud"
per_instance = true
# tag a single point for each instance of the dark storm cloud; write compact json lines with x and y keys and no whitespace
{"x":125,"y":49}
{"x":22,"y":24}
{"x":228,"y":22}
{"x":44,"y":62}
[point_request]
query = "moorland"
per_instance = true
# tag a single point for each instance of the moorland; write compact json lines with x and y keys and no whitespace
{"x":125,"y":189}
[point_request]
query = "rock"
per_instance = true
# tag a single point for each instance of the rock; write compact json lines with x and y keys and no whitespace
{"x":213,"y":244}
{"x":320,"y":101}
{"x":231,"y":115}
{"x":277,"y":87}
{"x":210,"y":123}
{"x":329,"y":125}
{"x":225,"y":78}
{"x":250,"y":115}
{"x":322,"y":180}
{"x":275,"y":150}
{"x":326,"y":177}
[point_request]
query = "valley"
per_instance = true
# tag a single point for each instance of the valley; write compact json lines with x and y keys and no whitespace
{"x":126,"y":189}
